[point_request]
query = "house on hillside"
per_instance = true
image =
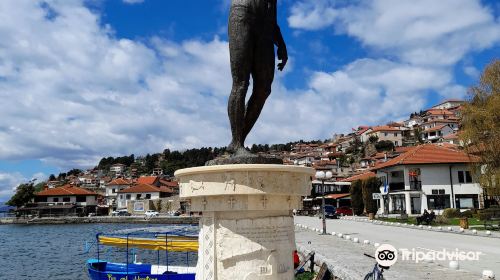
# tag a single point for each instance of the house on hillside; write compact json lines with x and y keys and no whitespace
{"x":434,"y":134}
{"x":117,"y":168}
{"x":387,"y":133}
{"x":430,"y":176}
{"x":112,"y":189}
{"x":448,"y":104}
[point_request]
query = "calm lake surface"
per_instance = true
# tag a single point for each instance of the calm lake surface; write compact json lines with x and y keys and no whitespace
{"x":57,"y":252}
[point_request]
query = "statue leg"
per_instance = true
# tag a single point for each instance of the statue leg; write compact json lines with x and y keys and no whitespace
{"x":241,"y":56}
{"x":262,"y":75}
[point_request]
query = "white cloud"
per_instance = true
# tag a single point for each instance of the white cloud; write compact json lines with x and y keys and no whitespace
{"x":423,"y":32}
{"x":367,"y":91}
{"x":73,"y":93}
{"x":8,"y":184}
{"x":312,"y":15}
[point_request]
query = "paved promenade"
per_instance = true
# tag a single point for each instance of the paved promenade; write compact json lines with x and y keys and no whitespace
{"x":346,"y":258}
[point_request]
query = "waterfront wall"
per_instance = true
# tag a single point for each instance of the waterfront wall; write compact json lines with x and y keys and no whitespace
{"x":103,"y":219}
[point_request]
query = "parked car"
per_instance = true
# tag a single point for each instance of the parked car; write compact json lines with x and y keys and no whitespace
{"x":122,"y":212}
{"x":344,"y":211}
{"x":330,"y":212}
{"x":151,"y":213}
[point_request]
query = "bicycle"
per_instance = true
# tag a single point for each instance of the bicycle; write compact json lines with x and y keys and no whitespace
{"x":377,"y":272}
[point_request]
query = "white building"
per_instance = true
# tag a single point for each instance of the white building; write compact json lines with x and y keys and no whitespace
{"x":117,"y":168}
{"x":430,"y":177}
{"x":112,"y":189}
{"x":67,"y":194}
{"x":450,"y":103}
{"x":141,"y":192}
{"x":436,"y":133}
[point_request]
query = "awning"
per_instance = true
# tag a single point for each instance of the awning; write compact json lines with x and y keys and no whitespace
{"x":338,"y":195}
{"x":173,"y":243}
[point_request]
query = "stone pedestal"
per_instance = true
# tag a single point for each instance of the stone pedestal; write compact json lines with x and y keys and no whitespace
{"x":246,"y":231}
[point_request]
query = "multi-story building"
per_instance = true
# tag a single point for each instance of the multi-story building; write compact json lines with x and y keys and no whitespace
{"x":430,"y":176}
{"x":112,"y":189}
{"x":387,"y":133}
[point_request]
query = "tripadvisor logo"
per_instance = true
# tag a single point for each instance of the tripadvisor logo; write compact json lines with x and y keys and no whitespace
{"x":386,"y":255}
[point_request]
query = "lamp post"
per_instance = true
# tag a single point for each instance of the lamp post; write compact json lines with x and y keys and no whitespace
{"x":322,"y":176}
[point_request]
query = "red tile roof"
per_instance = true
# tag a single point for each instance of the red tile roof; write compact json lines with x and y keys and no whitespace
{"x":119,"y":181}
{"x":429,"y":154}
{"x":65,"y":190}
{"x":383,"y":128}
{"x":361,"y":176}
{"x":451,"y":136}
{"x":173,"y":184}
{"x":439,"y":112}
{"x":143,"y":188}
{"x":149,"y":180}
{"x":436,"y":128}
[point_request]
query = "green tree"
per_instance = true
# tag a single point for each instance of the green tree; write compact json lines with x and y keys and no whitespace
{"x":370,"y":186}
{"x":481,"y":128}
{"x":357,"y":197}
{"x":24,"y":194}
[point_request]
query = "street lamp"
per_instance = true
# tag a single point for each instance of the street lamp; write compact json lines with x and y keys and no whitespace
{"x":322,"y":176}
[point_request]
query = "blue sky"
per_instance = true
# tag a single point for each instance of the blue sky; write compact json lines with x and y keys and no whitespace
{"x":80,"y":80}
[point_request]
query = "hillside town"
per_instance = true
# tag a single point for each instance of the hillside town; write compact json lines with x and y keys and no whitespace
{"x":419,"y":162}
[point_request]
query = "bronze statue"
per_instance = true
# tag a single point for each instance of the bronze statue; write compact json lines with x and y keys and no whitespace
{"x":253,"y":32}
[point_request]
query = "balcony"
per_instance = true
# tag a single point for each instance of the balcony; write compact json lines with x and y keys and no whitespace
{"x":416,"y":185}
{"x":400,"y":186}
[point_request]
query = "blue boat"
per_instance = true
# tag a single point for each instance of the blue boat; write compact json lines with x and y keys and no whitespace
{"x":165,"y":243}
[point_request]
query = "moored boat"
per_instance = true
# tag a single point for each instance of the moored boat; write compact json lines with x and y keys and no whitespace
{"x":174,"y":247}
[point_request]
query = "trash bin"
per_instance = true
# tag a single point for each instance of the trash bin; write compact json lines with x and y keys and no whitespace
{"x":464,"y":223}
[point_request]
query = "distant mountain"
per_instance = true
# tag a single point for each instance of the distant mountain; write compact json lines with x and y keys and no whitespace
{"x":5,"y":208}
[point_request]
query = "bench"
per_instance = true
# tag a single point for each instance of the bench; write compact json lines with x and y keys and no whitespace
{"x":426,"y":219}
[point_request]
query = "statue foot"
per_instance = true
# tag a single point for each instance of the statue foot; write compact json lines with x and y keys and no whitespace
{"x":233,"y":147}
{"x":242,"y":152}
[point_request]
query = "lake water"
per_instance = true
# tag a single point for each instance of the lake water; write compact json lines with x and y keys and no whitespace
{"x":57,"y":252}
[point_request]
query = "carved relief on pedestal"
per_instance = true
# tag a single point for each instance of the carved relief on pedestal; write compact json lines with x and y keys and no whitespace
{"x":206,"y":253}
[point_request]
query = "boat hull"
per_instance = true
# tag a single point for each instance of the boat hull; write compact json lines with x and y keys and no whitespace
{"x":101,"y":270}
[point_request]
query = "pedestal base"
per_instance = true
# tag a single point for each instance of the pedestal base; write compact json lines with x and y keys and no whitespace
{"x":246,"y":246}
{"x":246,"y":231}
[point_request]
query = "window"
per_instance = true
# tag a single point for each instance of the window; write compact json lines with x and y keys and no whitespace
{"x":385,"y":134}
{"x":466,"y":201}
{"x":395,"y":134}
{"x":55,"y":199}
{"x":128,"y":196}
{"x":121,"y":196}
{"x":138,"y":196}
{"x":114,"y":190}
{"x":464,"y":177}
{"x":148,"y":196}
{"x":66,"y":199}
{"x":396,"y":143}
{"x":81,"y":198}
{"x":440,"y":201}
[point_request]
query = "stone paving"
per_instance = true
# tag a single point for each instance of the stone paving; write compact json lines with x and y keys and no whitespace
{"x":346,"y":259}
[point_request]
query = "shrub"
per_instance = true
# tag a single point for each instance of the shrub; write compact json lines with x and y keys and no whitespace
{"x":466,"y":214}
{"x":451,"y":213}
{"x":440,"y":219}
